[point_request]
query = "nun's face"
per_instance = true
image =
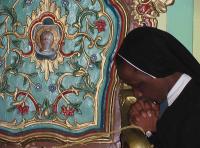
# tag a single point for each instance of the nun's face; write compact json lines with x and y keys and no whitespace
{"x":144,"y":86}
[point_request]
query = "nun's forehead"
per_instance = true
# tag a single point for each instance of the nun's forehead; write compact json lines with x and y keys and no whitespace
{"x":134,"y":66}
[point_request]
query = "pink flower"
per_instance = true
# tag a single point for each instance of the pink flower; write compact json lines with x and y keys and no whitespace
{"x":100,"y":24}
{"x":22,"y":108}
{"x":68,"y":111}
{"x":144,"y":8}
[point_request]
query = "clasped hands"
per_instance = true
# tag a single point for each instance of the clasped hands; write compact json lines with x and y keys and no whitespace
{"x":144,"y":114}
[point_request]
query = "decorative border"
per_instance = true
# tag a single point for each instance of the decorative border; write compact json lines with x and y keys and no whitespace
{"x":196,"y":30}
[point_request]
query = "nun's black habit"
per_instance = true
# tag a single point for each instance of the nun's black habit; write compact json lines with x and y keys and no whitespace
{"x":159,"y":54}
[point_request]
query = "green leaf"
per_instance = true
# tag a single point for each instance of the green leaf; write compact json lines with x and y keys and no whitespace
{"x":25,"y":81}
{"x":14,"y":68}
{"x":98,"y":64}
{"x":93,"y":2}
{"x":1,"y":43}
{"x":52,"y":116}
{"x":76,"y":105}
{"x":18,"y":59}
{"x":33,"y":74}
{"x":9,"y":12}
{"x":66,"y":11}
{"x":59,"y":74}
{"x":62,"y":87}
{"x":78,"y":42}
{"x":78,"y":14}
{"x":34,"y":112}
{"x":16,"y":43}
{"x":11,"y":109}
{"x":14,"y":16}
{"x":79,"y":111}
{"x":24,"y":4}
{"x":4,"y":86}
{"x":1,"y":24}
{"x":46,"y":103}
{"x":91,"y":29}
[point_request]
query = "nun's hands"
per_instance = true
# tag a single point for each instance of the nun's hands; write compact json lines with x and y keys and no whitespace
{"x":145,"y":115}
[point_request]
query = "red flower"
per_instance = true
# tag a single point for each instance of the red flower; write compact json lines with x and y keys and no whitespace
{"x":100,"y":24}
{"x":55,"y":108}
{"x":22,"y":108}
{"x":68,"y":111}
{"x":144,"y":8}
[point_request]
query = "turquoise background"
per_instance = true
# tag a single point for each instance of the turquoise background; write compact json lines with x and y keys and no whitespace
{"x":180,"y":21}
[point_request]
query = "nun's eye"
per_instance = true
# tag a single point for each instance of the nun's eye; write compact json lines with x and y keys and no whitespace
{"x":138,"y":86}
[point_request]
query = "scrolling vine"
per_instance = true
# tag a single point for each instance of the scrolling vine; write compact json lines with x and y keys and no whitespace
{"x":78,"y":45}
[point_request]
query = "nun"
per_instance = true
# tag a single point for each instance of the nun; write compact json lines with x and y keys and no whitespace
{"x":165,"y":78}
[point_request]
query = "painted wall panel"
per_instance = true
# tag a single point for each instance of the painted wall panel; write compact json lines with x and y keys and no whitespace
{"x":180,"y":21}
{"x":196,"y":30}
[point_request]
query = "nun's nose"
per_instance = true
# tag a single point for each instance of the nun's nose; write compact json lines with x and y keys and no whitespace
{"x":137,"y":93}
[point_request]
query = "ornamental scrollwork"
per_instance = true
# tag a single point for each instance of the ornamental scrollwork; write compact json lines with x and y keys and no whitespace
{"x":145,"y":12}
{"x":53,"y":64}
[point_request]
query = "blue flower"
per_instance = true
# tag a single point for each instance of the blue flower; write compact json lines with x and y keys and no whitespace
{"x":93,"y":58}
{"x":38,"y":86}
{"x":52,"y":88}
{"x":65,"y":3}
{"x":28,"y":2}
{"x":1,"y":63}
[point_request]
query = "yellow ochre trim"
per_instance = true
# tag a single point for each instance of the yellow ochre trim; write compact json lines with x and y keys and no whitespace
{"x":196,"y":30}
{"x":162,"y":21}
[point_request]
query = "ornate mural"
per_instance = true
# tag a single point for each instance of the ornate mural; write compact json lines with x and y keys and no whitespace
{"x":56,"y":65}
{"x":55,"y":61}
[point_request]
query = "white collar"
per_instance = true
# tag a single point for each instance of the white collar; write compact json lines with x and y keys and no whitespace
{"x":177,"y":88}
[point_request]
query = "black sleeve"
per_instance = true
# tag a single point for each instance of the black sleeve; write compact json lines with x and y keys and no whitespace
{"x":190,"y":131}
{"x":153,"y":139}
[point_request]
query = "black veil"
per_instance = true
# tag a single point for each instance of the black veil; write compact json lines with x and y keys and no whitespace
{"x":157,"y":53}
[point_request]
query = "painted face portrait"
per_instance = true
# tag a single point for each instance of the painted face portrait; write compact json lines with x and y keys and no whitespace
{"x":46,"y":40}
{"x":45,"y":51}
